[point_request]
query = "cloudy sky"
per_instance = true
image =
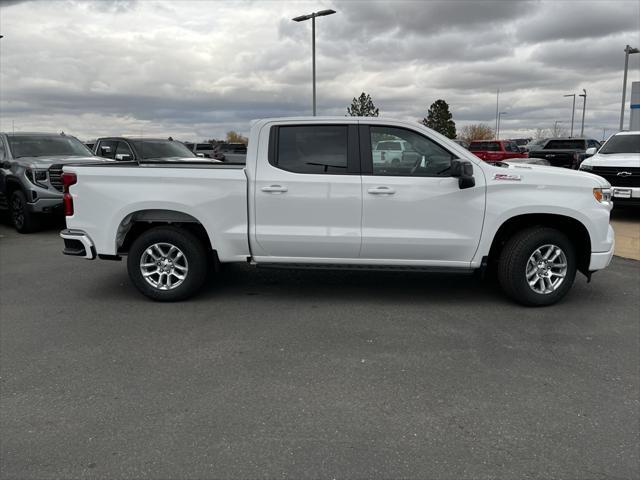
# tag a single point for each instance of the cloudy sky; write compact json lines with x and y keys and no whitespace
{"x":195,"y":70}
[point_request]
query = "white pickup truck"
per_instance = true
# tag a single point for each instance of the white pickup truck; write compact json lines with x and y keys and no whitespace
{"x":310,"y":196}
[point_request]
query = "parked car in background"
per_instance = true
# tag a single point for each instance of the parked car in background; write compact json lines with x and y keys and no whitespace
{"x":312,"y":196}
{"x":231,"y":152}
{"x":207,"y":150}
{"x":30,"y":174}
{"x":140,"y":149}
{"x":565,"y":152}
{"x":536,"y":144}
{"x":496,"y":150}
{"x":521,"y":143}
{"x":391,"y":152}
{"x":618,"y":162}
{"x":90,"y":144}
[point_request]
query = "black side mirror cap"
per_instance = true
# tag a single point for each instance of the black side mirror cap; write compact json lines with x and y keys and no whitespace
{"x":463,"y":169}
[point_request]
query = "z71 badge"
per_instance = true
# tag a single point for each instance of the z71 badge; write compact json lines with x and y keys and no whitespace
{"x":505,"y":176}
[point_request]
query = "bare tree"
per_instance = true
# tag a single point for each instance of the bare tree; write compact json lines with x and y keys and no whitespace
{"x":477,"y":131}
{"x":235,"y":137}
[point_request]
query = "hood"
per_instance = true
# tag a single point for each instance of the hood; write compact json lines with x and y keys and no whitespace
{"x":614,"y":160}
{"x":544,"y":175}
{"x":46,"y":162}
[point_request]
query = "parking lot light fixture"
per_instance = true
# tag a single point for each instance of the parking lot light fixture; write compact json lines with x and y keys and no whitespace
{"x":498,"y":126}
{"x":627,"y":51}
{"x":573,"y":111}
{"x":312,"y":16}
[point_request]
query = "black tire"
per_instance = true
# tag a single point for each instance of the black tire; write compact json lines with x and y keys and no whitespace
{"x":512,"y":265}
{"x":22,"y":219}
{"x":190,"y":246}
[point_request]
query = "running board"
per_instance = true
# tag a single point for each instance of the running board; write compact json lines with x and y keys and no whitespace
{"x":368,"y":268}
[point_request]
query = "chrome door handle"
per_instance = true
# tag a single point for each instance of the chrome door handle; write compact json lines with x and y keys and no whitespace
{"x":274,"y":189}
{"x":381,"y":191}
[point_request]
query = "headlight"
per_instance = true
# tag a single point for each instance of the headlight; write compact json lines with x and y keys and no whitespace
{"x":37,"y":176}
{"x":586,"y":167}
{"x":603,"y":195}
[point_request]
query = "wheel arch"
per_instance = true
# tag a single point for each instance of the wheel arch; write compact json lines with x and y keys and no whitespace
{"x":575,"y":230}
{"x":135,"y":223}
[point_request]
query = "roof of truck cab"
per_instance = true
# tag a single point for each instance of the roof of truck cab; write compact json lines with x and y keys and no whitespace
{"x":49,"y":134}
{"x":138,"y":139}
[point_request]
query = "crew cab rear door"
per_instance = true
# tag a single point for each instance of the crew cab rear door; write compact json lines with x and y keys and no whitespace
{"x":308,"y":200}
{"x":414,"y":212}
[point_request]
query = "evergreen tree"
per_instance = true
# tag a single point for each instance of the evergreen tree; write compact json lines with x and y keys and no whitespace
{"x":362,"y":107}
{"x":439,"y":119}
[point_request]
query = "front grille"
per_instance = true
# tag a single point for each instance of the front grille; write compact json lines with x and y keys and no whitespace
{"x":610,"y":174}
{"x":55,"y":177}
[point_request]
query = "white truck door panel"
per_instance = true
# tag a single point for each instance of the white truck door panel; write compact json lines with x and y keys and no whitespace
{"x":308,"y":201}
{"x":411,"y":211}
{"x":424,"y":219}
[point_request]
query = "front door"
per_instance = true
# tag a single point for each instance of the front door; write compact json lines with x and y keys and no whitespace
{"x":413,"y":211}
{"x":308,"y":200}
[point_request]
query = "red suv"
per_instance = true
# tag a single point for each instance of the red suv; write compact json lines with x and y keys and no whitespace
{"x":496,"y":150}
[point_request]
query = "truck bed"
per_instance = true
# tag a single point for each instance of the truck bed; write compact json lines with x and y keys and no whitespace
{"x":107,"y":197}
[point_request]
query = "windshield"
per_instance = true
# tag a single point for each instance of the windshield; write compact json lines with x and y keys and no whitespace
{"x":46,"y":145}
{"x":148,"y":149}
{"x":622,"y":144}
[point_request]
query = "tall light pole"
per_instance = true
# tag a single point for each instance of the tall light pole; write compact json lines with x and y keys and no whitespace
{"x":584,"y":106}
{"x":627,"y":51}
{"x":498,"y":128}
{"x":497,"y":110}
{"x":313,"y":16}
{"x":573,"y":111}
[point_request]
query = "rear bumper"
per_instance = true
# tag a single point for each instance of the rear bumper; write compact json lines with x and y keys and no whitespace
{"x":78,"y":244}
{"x":600,"y":260}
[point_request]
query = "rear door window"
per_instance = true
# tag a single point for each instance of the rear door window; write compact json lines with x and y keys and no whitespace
{"x":317,"y":149}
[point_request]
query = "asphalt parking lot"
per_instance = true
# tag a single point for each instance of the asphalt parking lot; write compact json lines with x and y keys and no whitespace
{"x":295,"y":374}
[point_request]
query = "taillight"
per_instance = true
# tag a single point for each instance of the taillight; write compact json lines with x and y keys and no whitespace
{"x":68,"y":179}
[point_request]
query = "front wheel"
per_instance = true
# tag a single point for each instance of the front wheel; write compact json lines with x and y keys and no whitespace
{"x":167,"y":264}
{"x":22,"y":219}
{"x":537,"y":266}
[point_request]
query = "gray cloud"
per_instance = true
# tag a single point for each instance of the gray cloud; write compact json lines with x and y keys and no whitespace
{"x":197,"y":69}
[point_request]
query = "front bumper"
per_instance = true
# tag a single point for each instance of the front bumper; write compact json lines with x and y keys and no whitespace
{"x":600,"y":260}
{"x":625,"y":195}
{"x":45,"y":205}
{"x":78,"y":244}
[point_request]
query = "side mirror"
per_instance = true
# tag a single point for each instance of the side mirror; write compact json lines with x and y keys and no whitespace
{"x":123,"y":157}
{"x":201,"y":155}
{"x":463,"y":170}
{"x":589,"y":152}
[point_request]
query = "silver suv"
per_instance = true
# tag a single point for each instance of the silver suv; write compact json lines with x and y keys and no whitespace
{"x":31,"y":174}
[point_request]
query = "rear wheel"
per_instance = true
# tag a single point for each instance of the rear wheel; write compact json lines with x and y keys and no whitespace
{"x":167,"y":264}
{"x":537,"y":266}
{"x":22,"y":219}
